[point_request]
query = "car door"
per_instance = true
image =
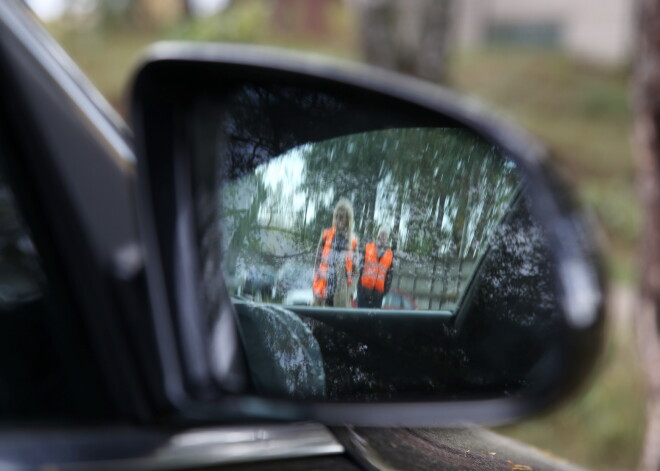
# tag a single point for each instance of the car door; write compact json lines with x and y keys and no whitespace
{"x":73,"y":162}
{"x":72,"y":286}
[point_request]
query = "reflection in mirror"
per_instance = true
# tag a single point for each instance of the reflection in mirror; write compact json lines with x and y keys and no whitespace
{"x":21,"y":276}
{"x":371,"y":252}
{"x":393,"y":219}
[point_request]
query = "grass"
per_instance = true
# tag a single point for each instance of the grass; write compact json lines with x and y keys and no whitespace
{"x":583,"y":115}
{"x":108,"y":56}
{"x":603,"y":427}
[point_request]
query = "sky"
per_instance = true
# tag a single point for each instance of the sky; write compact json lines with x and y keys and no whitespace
{"x":49,"y":10}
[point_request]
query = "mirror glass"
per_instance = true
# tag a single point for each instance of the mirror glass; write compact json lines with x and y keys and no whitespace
{"x":373,"y":250}
{"x":415,"y":207}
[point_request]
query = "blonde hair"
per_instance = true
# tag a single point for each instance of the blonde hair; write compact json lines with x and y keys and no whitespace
{"x":346,"y":205}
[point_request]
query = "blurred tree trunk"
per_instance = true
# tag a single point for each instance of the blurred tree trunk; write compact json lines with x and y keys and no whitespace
{"x":186,"y":8}
{"x":150,"y":14}
{"x":647,"y":136}
{"x":410,"y":36}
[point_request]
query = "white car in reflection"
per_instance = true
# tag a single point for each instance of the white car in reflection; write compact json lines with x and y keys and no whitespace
{"x":298,"y":297}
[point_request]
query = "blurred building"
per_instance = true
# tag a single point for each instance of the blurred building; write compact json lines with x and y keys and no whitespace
{"x":596,"y":31}
{"x":308,"y":16}
{"x":158,"y":12}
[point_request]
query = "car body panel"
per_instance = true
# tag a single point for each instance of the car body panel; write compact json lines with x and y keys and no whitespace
{"x":152,"y":448}
{"x":465,"y":449}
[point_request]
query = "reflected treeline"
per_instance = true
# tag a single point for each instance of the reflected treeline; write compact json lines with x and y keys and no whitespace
{"x":440,"y":191}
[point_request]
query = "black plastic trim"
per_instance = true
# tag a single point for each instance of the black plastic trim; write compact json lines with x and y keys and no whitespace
{"x":156,"y":95}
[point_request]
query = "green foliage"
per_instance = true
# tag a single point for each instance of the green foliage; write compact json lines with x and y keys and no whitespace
{"x":583,"y":115}
{"x":106,"y":57}
{"x":107,"y":51}
{"x":441,"y":191}
{"x":616,"y":205}
{"x":245,"y":21}
{"x":604,"y":99}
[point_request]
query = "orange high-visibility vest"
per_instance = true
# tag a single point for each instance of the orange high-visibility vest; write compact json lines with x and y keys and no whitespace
{"x":320,"y":284}
{"x":375,"y":271}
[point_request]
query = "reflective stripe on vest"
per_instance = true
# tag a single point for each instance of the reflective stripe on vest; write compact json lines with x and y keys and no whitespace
{"x":374,"y":271}
{"x":320,"y":285}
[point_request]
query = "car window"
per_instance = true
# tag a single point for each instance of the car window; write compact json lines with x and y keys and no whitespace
{"x":44,"y":368}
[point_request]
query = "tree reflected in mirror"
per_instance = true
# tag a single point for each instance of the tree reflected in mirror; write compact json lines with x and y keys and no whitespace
{"x":437,"y":194}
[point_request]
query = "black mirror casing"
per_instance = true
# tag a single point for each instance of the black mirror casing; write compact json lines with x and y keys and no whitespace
{"x":200,"y":388}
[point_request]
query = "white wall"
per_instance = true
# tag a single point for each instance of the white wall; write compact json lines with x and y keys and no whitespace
{"x":601,"y":32}
{"x":597,"y":31}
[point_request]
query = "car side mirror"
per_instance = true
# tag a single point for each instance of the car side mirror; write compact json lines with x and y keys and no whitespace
{"x":357,"y":246}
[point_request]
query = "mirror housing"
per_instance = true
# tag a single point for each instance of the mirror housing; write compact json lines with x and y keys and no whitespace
{"x":203,"y":360}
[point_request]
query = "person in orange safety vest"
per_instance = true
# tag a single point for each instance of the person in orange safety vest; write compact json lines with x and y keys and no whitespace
{"x":335,"y":266}
{"x":375,"y":271}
